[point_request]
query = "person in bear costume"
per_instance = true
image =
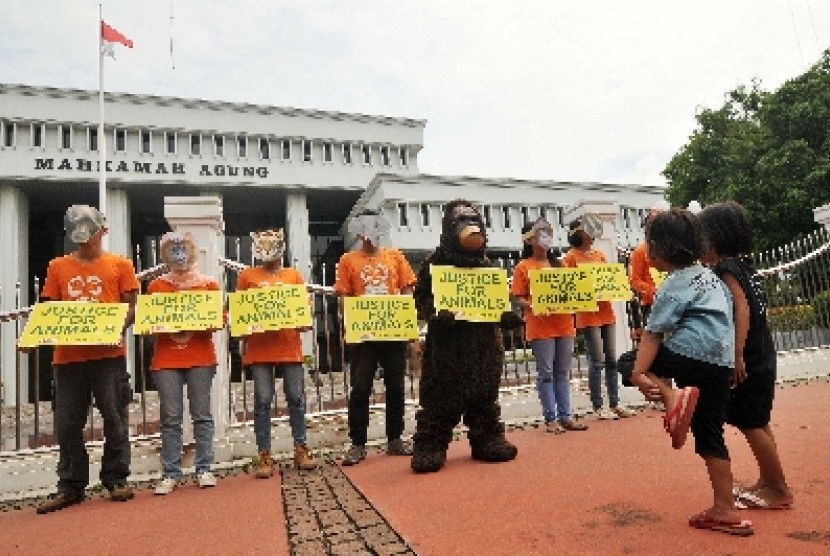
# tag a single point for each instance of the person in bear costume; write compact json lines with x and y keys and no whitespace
{"x":462,"y":361}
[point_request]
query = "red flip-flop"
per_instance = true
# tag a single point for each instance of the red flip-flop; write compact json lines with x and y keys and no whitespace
{"x":740,"y":528}
{"x":679,"y":418}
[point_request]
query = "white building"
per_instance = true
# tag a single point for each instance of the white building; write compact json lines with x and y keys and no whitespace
{"x":304,"y":170}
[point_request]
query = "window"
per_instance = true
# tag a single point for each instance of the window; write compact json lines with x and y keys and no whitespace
{"x":347,"y":153}
{"x":92,"y":138}
{"x":525,"y":215}
{"x":286,"y":149}
{"x":403,"y":214}
{"x":120,"y":140}
{"x":403,"y":156}
{"x":327,"y":152}
{"x":307,"y":150}
{"x":146,"y":141}
{"x":488,"y":217}
{"x":65,"y":136}
{"x":367,"y":154}
{"x":242,"y":146}
{"x":170,"y":142}
{"x":505,"y":217}
{"x":384,"y":155}
{"x":195,"y":144}
{"x":37,"y":135}
{"x":424,"y":215}
{"x":219,"y":145}
{"x":9,"y":129}
{"x":264,"y":148}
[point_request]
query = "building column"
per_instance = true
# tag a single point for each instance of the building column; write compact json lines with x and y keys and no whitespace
{"x":298,"y":238}
{"x":608,"y":213}
{"x":14,"y":272}
{"x":202,"y":217}
{"x":119,"y":223}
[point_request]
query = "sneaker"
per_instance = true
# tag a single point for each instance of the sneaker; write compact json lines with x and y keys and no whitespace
{"x":207,"y":479}
{"x":265,"y":466}
{"x":623,"y":412}
{"x":398,"y":447}
{"x":355,"y":455}
{"x":607,"y":415}
{"x":166,"y":486}
{"x":303,"y":459}
{"x":59,"y":501}
{"x":121,"y":492}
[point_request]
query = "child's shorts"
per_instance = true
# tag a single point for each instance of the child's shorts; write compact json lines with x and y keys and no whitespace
{"x":750,"y":406}
{"x":713,"y":381}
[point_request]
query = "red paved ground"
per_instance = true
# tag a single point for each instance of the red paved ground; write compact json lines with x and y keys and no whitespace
{"x":618,"y":488}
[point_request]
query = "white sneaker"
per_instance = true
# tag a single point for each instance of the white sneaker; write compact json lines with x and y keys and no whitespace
{"x":624,"y":412}
{"x":166,"y":486}
{"x":607,"y":415}
{"x":206,"y":479}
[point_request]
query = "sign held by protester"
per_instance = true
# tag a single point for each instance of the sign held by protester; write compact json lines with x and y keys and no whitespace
{"x":562,"y":290}
{"x":179,"y":311}
{"x":473,"y":294}
{"x":610,"y":281}
{"x":72,"y":323}
{"x":379,"y":317}
{"x":263,"y":309}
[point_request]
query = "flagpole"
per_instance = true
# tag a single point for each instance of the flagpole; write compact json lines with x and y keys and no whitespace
{"x":102,"y":140}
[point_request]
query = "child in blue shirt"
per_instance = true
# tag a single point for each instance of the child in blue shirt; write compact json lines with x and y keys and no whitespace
{"x":690,"y":338}
{"x":728,"y":240}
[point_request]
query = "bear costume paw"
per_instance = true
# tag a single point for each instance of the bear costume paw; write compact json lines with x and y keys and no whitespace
{"x":494,"y":449}
{"x":427,"y":459}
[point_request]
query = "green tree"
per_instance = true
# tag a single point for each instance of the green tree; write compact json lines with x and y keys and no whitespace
{"x":768,"y":151}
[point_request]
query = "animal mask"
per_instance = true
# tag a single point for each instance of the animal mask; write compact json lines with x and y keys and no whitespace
{"x":82,"y":222}
{"x":178,"y":251}
{"x":542,"y":231}
{"x":269,"y":245}
{"x":372,"y":227}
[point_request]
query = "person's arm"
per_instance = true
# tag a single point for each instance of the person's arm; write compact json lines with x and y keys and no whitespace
{"x":640,"y":376}
{"x":640,"y":277}
{"x":741,"y":314}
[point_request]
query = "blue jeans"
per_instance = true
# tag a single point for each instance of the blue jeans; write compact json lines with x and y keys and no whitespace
{"x":170,"y":384}
{"x":601,"y":346}
{"x":553,"y":368}
{"x":293,"y":386}
{"x":108,"y":382}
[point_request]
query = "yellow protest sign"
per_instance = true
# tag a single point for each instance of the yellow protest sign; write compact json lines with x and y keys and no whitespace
{"x":561,"y":290}
{"x":179,"y":311}
{"x":379,"y":317}
{"x":610,"y":281}
{"x":473,"y":294}
{"x":69,"y":323}
{"x":657,"y":276}
{"x":262,"y":309}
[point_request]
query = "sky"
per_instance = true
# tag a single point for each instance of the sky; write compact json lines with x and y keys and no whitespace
{"x":577,"y":90}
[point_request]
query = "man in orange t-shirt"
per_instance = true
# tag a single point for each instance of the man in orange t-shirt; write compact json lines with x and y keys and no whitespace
{"x":90,"y":274}
{"x":277,"y":352}
{"x":377,"y":270}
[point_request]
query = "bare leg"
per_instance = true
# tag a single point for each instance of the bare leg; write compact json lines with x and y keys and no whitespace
{"x":771,"y":484}
{"x":720,"y":477}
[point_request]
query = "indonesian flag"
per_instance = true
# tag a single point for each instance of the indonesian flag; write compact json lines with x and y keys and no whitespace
{"x":110,"y":36}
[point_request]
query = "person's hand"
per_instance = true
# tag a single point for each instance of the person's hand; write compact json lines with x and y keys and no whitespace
{"x":739,"y":372}
{"x":26,"y":350}
{"x":646,"y":387}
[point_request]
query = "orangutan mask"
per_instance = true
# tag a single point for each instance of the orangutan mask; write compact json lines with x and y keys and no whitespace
{"x":468,"y":228}
{"x":269,"y":245}
{"x":178,"y":251}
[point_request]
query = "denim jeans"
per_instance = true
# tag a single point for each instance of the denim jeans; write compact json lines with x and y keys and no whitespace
{"x":293,"y":386}
{"x":364,"y":361}
{"x":108,"y":382}
{"x":600,"y":344}
{"x":553,"y":368}
{"x":170,"y":384}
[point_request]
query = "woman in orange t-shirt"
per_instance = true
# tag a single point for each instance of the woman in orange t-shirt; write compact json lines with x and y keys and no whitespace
{"x":551,"y":336}
{"x":179,"y":359}
{"x":597,"y":329}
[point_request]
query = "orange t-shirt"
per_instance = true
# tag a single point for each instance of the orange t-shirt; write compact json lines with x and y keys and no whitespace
{"x":605,"y":313}
{"x":103,"y":280}
{"x":538,"y":327}
{"x":273,"y":346}
{"x":639,"y":275}
{"x":182,"y":350}
{"x":386,"y":272}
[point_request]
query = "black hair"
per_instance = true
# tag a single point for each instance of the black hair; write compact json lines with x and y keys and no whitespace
{"x":675,"y":236}
{"x":527,"y":249}
{"x":726,"y":229}
{"x":574,"y":237}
